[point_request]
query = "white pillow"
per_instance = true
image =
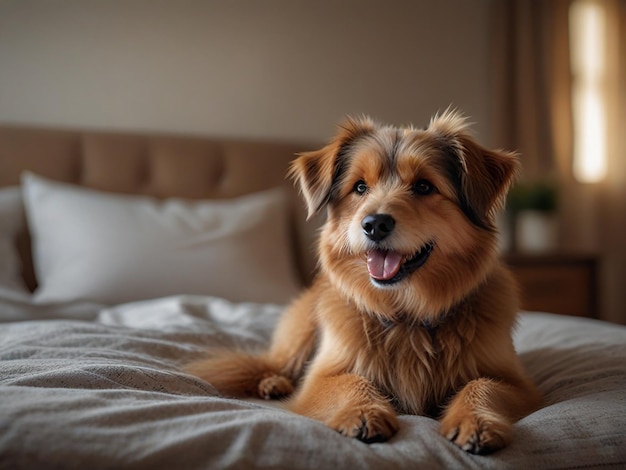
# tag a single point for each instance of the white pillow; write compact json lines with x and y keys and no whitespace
{"x":113,"y":248}
{"x":11,"y":222}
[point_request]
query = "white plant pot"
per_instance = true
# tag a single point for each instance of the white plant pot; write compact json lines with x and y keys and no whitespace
{"x":536,"y":231}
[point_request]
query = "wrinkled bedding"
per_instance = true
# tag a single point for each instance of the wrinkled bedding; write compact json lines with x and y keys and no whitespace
{"x":88,"y":386}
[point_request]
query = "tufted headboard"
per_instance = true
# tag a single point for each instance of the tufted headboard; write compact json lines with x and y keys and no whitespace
{"x":159,"y":165}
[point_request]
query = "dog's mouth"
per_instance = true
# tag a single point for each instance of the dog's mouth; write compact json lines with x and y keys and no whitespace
{"x":388,"y":267}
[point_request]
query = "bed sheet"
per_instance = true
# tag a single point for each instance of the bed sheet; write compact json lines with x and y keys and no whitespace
{"x":84,"y":386}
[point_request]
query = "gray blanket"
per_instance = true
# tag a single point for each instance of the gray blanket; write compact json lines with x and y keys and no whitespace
{"x":107,"y":391}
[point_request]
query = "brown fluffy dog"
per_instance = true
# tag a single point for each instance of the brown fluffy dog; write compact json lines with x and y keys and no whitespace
{"x":411,"y":311}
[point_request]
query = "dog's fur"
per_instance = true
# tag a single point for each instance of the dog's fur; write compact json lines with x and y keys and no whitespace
{"x":369,"y":338}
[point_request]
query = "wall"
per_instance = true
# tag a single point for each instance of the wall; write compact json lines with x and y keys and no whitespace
{"x":273,"y":68}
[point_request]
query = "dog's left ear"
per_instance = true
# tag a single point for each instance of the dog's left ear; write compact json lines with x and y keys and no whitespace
{"x":484,"y":175}
{"x":317,"y":173}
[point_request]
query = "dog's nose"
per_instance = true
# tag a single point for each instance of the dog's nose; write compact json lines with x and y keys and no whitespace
{"x":378,"y":226}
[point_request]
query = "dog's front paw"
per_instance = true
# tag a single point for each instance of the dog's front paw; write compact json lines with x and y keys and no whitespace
{"x":476,"y":433}
{"x":374,"y":424}
{"x":275,"y":386}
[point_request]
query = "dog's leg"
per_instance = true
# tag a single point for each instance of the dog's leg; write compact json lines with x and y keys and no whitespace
{"x":292,"y":345}
{"x":480,"y":417}
{"x":267,"y":375}
{"x":348,"y":403}
{"x":295,"y":336}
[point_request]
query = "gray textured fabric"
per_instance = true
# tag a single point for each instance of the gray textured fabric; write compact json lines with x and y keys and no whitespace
{"x":109,"y":393}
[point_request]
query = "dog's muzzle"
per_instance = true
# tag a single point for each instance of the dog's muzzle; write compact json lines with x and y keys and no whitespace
{"x":386,"y":266}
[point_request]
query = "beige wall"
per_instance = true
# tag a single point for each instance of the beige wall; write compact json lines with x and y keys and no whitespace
{"x":275,"y":68}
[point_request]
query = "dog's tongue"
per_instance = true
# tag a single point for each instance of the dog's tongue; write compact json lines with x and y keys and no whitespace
{"x":383,"y":265}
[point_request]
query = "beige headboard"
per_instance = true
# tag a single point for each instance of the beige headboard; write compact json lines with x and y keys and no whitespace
{"x":159,"y":165}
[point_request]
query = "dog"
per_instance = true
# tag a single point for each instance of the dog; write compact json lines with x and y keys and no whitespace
{"x":411,"y":310}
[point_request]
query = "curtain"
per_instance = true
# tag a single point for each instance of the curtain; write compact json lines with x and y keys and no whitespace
{"x":531,"y":82}
{"x":533,"y":114}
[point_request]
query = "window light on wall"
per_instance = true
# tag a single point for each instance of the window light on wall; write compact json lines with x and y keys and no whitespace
{"x":587,"y":22}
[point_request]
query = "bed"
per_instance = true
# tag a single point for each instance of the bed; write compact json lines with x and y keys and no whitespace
{"x":125,"y":256}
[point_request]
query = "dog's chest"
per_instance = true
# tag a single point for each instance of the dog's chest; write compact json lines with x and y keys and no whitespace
{"x":417,"y":365}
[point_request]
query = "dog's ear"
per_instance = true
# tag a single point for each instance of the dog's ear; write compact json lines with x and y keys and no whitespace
{"x":484,"y":175}
{"x":317,"y":173}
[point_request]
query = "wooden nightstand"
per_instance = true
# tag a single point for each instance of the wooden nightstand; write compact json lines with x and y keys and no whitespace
{"x":557,"y":282}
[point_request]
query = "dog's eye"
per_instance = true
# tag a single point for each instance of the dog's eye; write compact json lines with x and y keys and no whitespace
{"x":360,"y":187}
{"x":423,"y":187}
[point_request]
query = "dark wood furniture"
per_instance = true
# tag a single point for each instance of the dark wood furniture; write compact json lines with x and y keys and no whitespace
{"x":557,"y":282}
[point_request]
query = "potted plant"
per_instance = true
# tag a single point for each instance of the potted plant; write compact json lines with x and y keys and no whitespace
{"x":532,"y":207}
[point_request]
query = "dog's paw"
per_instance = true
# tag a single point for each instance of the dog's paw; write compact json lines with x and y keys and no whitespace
{"x":275,"y":386}
{"x":476,"y":434}
{"x":375,"y":424}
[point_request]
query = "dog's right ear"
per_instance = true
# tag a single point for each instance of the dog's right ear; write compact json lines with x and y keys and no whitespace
{"x":317,"y":173}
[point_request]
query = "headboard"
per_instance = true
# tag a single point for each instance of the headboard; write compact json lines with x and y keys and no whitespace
{"x":159,"y":165}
